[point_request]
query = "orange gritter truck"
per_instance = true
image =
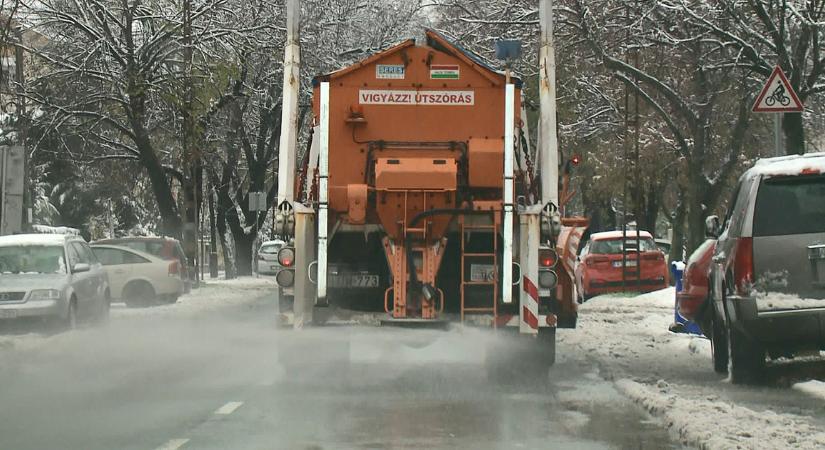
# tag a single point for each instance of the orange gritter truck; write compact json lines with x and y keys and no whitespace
{"x":417,"y":204}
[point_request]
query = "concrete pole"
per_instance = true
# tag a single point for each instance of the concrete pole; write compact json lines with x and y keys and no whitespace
{"x":777,"y":134}
{"x":548,"y":148}
{"x":323,"y":193}
{"x":507,"y":233}
{"x":3,"y":190}
{"x":289,"y":109}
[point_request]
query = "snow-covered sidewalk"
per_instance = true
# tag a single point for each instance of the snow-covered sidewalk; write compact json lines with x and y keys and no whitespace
{"x":213,"y":295}
{"x":671,"y":375}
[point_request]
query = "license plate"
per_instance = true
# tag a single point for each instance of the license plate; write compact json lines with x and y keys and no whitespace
{"x":629,"y":263}
{"x":8,"y":313}
{"x":816,"y":252}
{"x":354,"y":281}
{"x":482,"y":272}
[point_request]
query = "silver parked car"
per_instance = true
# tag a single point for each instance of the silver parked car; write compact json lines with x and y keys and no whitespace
{"x":768,"y":271}
{"x":267,"y":262}
{"x":51,"y":276}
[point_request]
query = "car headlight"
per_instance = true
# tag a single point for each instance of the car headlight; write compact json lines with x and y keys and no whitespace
{"x":44,"y":294}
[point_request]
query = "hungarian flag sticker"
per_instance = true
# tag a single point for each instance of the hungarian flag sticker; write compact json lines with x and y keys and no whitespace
{"x":443,"y":72}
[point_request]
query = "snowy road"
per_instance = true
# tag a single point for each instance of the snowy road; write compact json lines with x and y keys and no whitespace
{"x":213,"y":373}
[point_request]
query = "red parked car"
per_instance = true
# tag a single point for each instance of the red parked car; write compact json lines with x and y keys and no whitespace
{"x":599,"y":269}
{"x":691,"y":299}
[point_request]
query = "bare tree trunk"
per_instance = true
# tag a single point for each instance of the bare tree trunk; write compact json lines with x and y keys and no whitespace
{"x":170,"y":217}
{"x":228,"y":253}
{"x":678,"y":241}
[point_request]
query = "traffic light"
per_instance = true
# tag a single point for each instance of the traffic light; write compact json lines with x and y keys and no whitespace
{"x":571,"y":163}
{"x":576,"y":159}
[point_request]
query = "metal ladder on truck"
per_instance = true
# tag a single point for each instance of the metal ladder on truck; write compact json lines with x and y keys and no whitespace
{"x":487,"y":258}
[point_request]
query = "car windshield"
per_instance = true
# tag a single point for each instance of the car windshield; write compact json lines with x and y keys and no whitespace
{"x":16,"y":259}
{"x":615,"y":247}
{"x":790,"y":205}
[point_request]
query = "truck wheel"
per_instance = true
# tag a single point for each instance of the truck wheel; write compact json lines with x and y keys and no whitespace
{"x":546,"y":342}
{"x":104,"y":308}
{"x":719,"y":343}
{"x":746,"y":358}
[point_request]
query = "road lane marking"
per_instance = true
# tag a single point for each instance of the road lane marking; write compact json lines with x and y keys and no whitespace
{"x":173,"y":444}
{"x":228,"y":408}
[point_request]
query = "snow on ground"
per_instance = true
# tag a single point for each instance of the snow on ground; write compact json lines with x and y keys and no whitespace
{"x":671,"y":375}
{"x":813,"y":388}
{"x":776,"y":301}
{"x":211,"y":296}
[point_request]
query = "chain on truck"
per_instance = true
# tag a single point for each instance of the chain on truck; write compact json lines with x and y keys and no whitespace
{"x":416,"y":203}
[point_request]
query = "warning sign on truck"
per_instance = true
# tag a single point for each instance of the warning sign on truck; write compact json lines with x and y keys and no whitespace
{"x":407,"y":97}
{"x":444,"y":72}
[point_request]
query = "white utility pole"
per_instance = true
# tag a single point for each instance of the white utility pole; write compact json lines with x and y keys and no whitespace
{"x":509,"y":137}
{"x":323,"y":193}
{"x":548,"y":148}
{"x":289,"y":107}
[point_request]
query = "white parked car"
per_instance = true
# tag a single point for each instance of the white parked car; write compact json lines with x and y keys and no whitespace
{"x":139,"y":278}
{"x":268,"y":257}
{"x":51,"y":276}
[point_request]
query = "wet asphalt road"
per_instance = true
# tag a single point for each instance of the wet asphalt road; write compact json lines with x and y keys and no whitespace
{"x":230,"y":380}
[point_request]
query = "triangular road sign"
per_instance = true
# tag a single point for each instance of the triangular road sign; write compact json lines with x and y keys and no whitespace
{"x":777,"y":95}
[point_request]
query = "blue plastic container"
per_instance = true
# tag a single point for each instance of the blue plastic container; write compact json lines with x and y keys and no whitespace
{"x":688,"y":326}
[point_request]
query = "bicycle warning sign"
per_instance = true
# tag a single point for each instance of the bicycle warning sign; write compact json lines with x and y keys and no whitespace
{"x":777,"y":95}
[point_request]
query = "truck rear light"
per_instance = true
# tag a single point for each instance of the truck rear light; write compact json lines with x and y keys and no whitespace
{"x":286,"y":256}
{"x":285,"y":278}
{"x":743,"y":266}
{"x":548,"y":279}
{"x":548,"y":258}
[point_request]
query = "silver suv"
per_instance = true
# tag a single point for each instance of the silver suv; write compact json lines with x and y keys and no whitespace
{"x":768,"y":272}
{"x":51,"y":276}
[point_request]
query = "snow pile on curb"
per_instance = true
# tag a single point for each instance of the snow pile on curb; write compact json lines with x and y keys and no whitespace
{"x":813,"y":388}
{"x":621,"y":326}
{"x":627,"y":337}
{"x":713,"y":424}
{"x":210,"y":296}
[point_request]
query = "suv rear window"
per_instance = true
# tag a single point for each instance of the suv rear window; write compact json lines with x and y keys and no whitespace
{"x":790,"y":205}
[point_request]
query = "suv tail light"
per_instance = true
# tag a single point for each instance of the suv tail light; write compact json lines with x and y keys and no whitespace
{"x":592,"y":261}
{"x":174,"y":269}
{"x":743,"y":266}
{"x":655,"y":256}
